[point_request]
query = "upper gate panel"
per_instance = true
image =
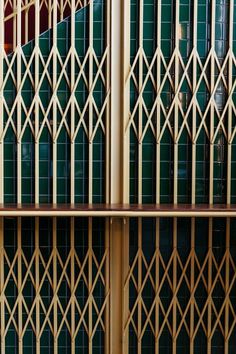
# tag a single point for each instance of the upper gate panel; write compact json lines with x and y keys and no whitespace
{"x":55,"y":102}
{"x":179,"y":120}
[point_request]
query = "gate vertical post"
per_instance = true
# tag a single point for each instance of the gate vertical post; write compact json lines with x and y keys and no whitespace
{"x":1,"y":99}
{"x":117,"y":181}
{"x":2,"y":307}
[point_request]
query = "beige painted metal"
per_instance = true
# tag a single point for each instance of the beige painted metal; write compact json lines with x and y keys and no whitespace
{"x":90,"y":104}
{"x":72,"y":83}
{"x":1,"y":97}
{"x":116,"y":233}
{"x":192,"y":282}
{"x":209,"y":288}
{"x":158,"y":113}
{"x":107,"y":277}
{"x":195,"y":16}
{"x":126,"y":102}
{"x":73,"y":280}
{"x":176,"y":107}
{"x":37,"y":270}
{"x":230,"y":111}
{"x":19,"y":100}
{"x":37,"y":286}
{"x":116,"y":257}
{"x":55,"y":285}
{"x":227,"y":287}
{"x":157,"y":284}
{"x":175,"y":272}
{"x":56,"y":10}
{"x":90,"y":284}
{"x":208,"y":69}
{"x":121,"y":214}
{"x":116,"y":100}
{"x":54,"y":103}
{"x":19,"y":285}
{"x":116,"y":331}
{"x":174,"y":287}
{"x":36,"y":112}
{"x":2,"y":285}
{"x":125,"y":287}
{"x":20,"y":12}
{"x":212,"y":106}
{"x":140,"y":107}
{"x":109,"y":90}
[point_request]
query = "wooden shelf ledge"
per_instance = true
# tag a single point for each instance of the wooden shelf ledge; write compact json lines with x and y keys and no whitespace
{"x":119,"y":210}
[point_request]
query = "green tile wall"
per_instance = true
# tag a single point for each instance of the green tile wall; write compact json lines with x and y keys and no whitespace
{"x":45,"y":168}
{"x":28,"y":167}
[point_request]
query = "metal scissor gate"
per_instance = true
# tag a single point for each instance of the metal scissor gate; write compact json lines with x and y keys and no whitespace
{"x":118,"y":176}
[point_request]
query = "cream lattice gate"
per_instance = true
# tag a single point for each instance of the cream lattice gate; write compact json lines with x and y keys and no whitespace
{"x":117,"y":143}
{"x":55,"y":285}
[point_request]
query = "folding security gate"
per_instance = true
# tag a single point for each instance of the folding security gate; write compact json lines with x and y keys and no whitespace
{"x":117,"y":145}
{"x":178,"y":285}
{"x":55,"y":285}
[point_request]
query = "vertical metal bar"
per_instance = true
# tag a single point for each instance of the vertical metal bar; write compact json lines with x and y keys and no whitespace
{"x":72,"y":83}
{"x":54,"y":79}
{"x":61,"y":6}
{"x":90,"y":283}
{"x":229,"y":167}
{"x":26,"y":13}
{"x":176,"y":109}
{"x":174,"y":321}
{"x":230,"y":83}
{"x":209,"y":286}
{"x":109,"y":73}
{"x":72,"y":271}
{"x":192,"y":277}
{"x":212,"y":85}
{"x":14,"y":23}
{"x":2,"y":33}
{"x":36,"y":98}
{"x":2,"y":300}
{"x":50,"y":13}
{"x":55,"y":317}
{"x":116,"y":225}
{"x":157,"y":284}
{"x":90,"y":101}
{"x":139,"y":285}
{"x":107,"y":287}
{"x":140,"y":106}
{"x":194,"y":83}
{"x":37,"y":282}
{"x":227,"y":284}
{"x":19,"y":180}
{"x":116,"y":285}
{"x":126,"y":98}
{"x":116,"y":91}
{"x":158,"y":114}
{"x":125,"y":270}
{"x":19,"y":284}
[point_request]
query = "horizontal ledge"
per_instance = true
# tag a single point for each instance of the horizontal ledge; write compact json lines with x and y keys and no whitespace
{"x":119,"y":210}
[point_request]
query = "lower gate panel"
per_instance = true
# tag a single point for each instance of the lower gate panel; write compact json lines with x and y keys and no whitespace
{"x":179,"y":285}
{"x":54,"y":285}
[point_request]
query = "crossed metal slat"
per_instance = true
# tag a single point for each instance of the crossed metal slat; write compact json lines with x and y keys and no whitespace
{"x":184,"y":278}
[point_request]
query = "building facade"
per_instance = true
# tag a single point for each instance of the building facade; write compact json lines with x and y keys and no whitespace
{"x":118,"y":176}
